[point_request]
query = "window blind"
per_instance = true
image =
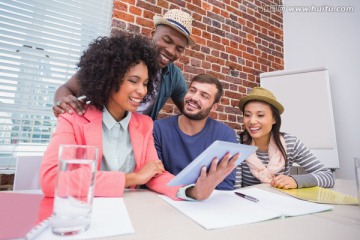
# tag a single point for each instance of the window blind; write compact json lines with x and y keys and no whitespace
{"x":40,"y":43}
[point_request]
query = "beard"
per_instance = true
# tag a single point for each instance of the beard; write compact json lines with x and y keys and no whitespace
{"x":202,"y":114}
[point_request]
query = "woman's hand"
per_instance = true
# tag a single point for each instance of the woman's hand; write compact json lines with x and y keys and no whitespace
{"x":283,"y":181}
{"x":149,"y":170}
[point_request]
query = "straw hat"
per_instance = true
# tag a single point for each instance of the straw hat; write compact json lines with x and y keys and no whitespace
{"x":261,"y":94}
{"x":178,"y":20}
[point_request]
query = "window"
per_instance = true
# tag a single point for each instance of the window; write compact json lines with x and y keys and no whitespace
{"x":40,"y":43}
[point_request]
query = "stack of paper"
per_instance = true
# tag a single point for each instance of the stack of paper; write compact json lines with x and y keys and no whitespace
{"x":225,"y":208}
{"x":321,"y":195}
{"x":109,"y":218}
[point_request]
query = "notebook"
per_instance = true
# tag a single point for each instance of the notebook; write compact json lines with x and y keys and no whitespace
{"x":225,"y":208}
{"x":321,"y":195}
{"x":18,"y":214}
{"x":217,"y":149}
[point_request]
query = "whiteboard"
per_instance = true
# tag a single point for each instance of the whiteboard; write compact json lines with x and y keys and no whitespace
{"x":305,"y":95}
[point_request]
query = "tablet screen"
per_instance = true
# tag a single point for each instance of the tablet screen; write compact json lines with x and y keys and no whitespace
{"x":217,"y":149}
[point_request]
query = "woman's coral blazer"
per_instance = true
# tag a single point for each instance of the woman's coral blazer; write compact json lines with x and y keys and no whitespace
{"x":87,"y":130}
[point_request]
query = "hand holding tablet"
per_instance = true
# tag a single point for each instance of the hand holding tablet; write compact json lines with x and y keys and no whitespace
{"x":217,"y":149}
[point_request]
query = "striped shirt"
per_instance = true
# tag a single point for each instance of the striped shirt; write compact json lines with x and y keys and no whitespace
{"x":315,"y":172}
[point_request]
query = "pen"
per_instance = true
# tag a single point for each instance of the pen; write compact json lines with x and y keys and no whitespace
{"x":247,"y":197}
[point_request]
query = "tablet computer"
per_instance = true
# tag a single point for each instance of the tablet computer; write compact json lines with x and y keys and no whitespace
{"x":217,"y":149}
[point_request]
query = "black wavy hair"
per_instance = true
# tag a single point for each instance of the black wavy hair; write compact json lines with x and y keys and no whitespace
{"x":103,"y":65}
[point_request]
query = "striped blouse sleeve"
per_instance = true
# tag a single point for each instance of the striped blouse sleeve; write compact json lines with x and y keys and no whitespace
{"x":316,"y":174}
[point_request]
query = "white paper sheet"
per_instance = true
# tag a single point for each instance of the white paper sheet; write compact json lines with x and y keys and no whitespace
{"x":225,"y":209}
{"x":109,"y":218}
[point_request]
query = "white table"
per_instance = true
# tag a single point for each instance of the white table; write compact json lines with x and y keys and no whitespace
{"x":153,"y":218}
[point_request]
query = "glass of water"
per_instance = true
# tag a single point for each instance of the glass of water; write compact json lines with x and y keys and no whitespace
{"x":74,"y":189}
{"x":357,"y":176}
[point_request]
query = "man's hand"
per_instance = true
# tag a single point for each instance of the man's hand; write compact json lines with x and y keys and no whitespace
{"x":207,"y":181}
{"x":69,"y":104}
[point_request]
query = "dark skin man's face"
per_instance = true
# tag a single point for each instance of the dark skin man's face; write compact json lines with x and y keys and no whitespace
{"x":171,"y":44}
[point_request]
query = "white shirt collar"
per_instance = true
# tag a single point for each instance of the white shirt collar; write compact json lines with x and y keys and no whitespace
{"x":110,"y":122}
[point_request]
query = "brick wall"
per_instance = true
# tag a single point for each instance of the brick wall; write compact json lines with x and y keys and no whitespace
{"x":6,"y":182}
{"x":235,"y":41}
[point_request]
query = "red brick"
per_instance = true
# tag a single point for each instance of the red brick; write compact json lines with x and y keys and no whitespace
{"x":225,"y":14}
{"x":206,"y":65}
{"x":250,"y":57}
{"x":215,"y":53}
{"x":215,"y":45}
{"x":195,"y":54}
{"x":184,"y":59}
{"x":251,"y":37}
{"x":195,"y":62}
{"x":226,"y":28}
{"x":215,"y":60}
{"x":234,"y":51}
{"x":216,"y":38}
{"x":120,"y":6}
{"x":195,"y":8}
{"x":148,"y":6}
{"x":131,"y":2}
{"x":204,"y":5}
{"x":177,"y":3}
{"x":198,"y":3}
{"x":222,"y":117}
{"x":135,"y":10}
{"x":234,"y":44}
{"x":224,"y":101}
{"x":163,"y":4}
{"x":196,"y":17}
{"x":206,"y":35}
{"x":193,"y":70}
{"x":198,"y":40}
{"x":123,"y":16}
{"x":148,"y":14}
{"x":215,"y":67}
{"x":225,"y":41}
{"x":143,"y":22}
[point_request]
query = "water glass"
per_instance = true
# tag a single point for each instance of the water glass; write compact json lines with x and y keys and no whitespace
{"x":357,"y":176}
{"x":74,"y":189}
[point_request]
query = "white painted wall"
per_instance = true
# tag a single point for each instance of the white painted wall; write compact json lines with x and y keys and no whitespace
{"x":330,"y":39}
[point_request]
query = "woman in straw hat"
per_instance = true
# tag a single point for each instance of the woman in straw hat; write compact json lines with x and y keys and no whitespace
{"x":277,"y":151}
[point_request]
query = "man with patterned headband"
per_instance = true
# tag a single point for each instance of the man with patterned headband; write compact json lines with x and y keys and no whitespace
{"x":171,"y":35}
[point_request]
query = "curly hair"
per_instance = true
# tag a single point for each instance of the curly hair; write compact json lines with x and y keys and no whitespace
{"x":103,"y":65}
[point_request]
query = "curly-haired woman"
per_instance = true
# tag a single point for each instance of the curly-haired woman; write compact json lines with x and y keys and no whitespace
{"x":115,"y":74}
